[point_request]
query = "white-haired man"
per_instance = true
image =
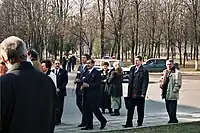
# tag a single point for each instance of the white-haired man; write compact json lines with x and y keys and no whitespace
{"x":27,"y":95}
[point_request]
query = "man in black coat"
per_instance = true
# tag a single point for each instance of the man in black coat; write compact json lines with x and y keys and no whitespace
{"x":27,"y":95}
{"x":82,"y":69}
{"x":73,"y":62}
{"x":91,"y":90}
{"x":137,"y":88}
{"x":62,"y":80}
{"x":64,"y":63}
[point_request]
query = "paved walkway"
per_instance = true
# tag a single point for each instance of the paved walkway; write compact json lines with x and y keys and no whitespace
{"x":155,"y":112}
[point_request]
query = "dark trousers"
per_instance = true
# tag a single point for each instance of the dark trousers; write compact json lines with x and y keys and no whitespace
{"x":90,"y":107}
{"x":79,"y":103}
{"x":139,"y":102}
{"x":59,"y":107}
{"x":73,"y":66}
{"x":171,"y":106}
{"x":126,"y":102}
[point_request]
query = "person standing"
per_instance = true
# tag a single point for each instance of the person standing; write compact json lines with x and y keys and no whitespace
{"x":91,"y":88}
{"x":105,"y":101}
{"x":82,"y":69}
{"x":33,"y":57}
{"x":115,"y":88}
{"x":46,"y":69}
{"x":137,"y":88}
{"x":27,"y":95}
{"x":64,"y":63}
{"x":170,"y":85}
{"x":73,"y":61}
{"x":62,"y":80}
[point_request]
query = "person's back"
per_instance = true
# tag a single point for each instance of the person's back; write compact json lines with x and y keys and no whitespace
{"x":27,"y":95}
{"x":28,"y":98}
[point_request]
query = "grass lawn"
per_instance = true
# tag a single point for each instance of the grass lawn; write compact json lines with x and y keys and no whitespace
{"x":193,"y":127}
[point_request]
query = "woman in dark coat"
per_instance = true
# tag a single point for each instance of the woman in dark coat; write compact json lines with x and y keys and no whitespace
{"x":105,"y":101}
{"x":115,"y":87}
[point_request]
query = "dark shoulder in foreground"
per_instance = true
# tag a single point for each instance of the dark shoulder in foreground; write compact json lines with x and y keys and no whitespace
{"x":35,"y":74}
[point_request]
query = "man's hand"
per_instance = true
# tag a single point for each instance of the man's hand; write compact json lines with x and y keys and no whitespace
{"x":57,"y":90}
{"x":77,"y":80}
{"x":142,"y":95}
{"x":85,"y":85}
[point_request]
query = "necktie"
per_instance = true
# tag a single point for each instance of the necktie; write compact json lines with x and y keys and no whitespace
{"x":56,"y":71}
{"x":136,"y":69}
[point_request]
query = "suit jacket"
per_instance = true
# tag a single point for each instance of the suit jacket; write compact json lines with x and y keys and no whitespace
{"x":27,"y":101}
{"x":80,"y":74}
{"x":62,"y":80}
{"x":138,"y":82}
{"x":91,"y":93}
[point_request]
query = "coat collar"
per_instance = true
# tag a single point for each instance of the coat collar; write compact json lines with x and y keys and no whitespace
{"x":140,"y":68}
{"x":21,"y":66}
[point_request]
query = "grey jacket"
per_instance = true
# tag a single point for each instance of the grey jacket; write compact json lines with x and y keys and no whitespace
{"x":174,"y":85}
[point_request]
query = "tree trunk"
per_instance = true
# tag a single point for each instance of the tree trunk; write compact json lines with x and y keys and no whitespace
{"x":137,"y":27}
{"x":102,"y":22}
{"x":191,"y":50}
{"x":185,"y":52}
{"x":132,"y":49}
{"x":180,"y":52}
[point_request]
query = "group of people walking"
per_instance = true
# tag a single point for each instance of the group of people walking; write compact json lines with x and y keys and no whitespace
{"x":32,"y":95}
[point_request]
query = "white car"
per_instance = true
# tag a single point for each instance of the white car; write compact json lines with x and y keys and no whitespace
{"x":99,"y":65}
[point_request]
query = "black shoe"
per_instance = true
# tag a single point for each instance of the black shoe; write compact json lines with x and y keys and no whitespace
{"x":103,"y":124}
{"x":82,"y":125}
{"x":110,"y":111}
{"x":87,"y":128}
{"x":117,"y":112}
{"x":173,"y":121}
{"x":127,"y":126}
{"x":139,"y":125}
{"x":113,"y":114}
{"x":58,"y":123}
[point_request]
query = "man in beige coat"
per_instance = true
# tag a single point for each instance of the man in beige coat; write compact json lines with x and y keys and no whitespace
{"x":172,"y":80}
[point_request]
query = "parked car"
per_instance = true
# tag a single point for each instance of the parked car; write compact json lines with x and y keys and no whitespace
{"x":157,"y":65}
{"x":99,"y":65}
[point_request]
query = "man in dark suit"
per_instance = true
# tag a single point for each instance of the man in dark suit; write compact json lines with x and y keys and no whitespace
{"x":137,"y":88}
{"x":62,"y":80}
{"x":91,"y":90}
{"x":27,"y":95}
{"x":82,"y":69}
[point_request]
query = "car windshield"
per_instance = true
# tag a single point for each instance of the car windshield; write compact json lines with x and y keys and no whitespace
{"x":112,"y":62}
{"x":150,"y":62}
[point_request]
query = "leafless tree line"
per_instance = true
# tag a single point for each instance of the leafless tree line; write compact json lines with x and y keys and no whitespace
{"x":121,"y":28}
